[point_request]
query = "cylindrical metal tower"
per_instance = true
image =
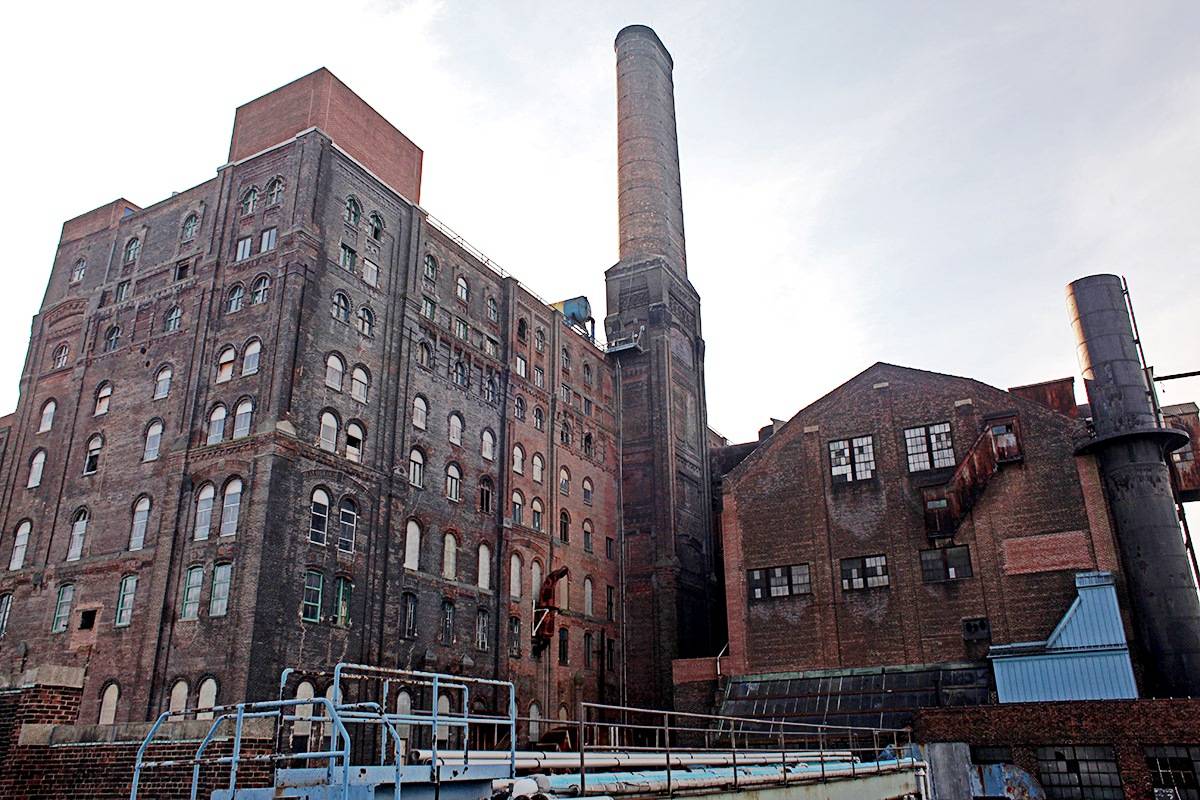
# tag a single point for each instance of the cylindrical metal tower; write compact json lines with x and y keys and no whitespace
{"x":1132,"y":448}
{"x":649,"y":199}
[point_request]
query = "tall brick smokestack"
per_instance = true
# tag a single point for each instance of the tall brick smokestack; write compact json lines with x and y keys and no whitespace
{"x":649,"y":200}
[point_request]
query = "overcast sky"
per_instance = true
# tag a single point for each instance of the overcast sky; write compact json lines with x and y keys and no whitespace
{"x":905,"y":182}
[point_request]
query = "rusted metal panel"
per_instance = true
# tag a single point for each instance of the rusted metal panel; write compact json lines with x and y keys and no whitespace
{"x":946,"y":506}
{"x":1186,"y":417}
{"x":1058,"y":395}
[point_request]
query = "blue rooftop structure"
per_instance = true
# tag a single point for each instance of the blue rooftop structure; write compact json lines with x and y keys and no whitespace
{"x":1086,"y":657}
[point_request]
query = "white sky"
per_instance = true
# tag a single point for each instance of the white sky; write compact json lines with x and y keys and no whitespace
{"x":897,"y":181}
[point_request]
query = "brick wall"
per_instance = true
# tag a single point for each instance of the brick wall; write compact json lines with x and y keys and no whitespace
{"x":1126,"y":725}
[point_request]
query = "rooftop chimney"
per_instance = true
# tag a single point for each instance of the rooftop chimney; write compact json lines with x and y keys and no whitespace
{"x":650,"y":203}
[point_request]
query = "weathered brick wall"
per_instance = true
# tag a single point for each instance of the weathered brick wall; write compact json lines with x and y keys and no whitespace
{"x":1128,"y":726}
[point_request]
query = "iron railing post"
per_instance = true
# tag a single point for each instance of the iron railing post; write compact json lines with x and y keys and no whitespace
{"x":821,"y":751}
{"x":582,"y":733}
{"x":875,"y":751}
{"x":853,"y":757}
{"x":667,"y":746}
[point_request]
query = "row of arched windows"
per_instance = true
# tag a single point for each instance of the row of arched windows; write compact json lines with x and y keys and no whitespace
{"x":364,"y":320}
{"x":260,"y":292}
{"x":227,"y":360}
{"x":460,"y":374}
{"x":449,"y":561}
{"x":250,"y":197}
{"x":335,"y":377}
{"x":327,"y":524}
{"x":352,"y":215}
{"x":454,"y":428}
{"x":222,"y":519}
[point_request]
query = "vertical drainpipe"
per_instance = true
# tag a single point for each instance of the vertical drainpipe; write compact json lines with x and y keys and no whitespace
{"x":621,"y":528}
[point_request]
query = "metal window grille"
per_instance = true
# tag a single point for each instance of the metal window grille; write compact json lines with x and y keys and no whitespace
{"x":1079,"y":773}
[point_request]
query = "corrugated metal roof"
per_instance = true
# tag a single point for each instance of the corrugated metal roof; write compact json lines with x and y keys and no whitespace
{"x":1086,"y":657}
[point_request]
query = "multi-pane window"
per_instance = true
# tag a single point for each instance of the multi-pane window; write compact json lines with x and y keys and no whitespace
{"x":62,"y":608}
{"x":946,"y":564}
{"x":514,"y":636}
{"x":91,"y":459}
{"x":250,"y":357}
{"x":79,"y":524}
{"x":248,"y":201}
{"x":103,"y":396}
{"x":353,"y":211}
{"x":518,"y":503}
{"x":539,"y":419}
{"x":190,"y":225}
{"x":460,"y":329}
{"x":588,"y":490}
{"x":141,"y":520}
{"x":539,"y":467}
{"x":341,"y":307}
{"x":455,"y":428}
{"x":564,"y":481}
{"x":366,"y":321}
{"x":275,"y":191}
{"x":370,"y":272}
{"x":122,"y":291}
{"x":335,"y":368}
{"x":519,"y":408}
{"x":225,"y":361}
{"x":610,"y":547}
{"x":929,"y":447}
{"x":428,"y":308}
{"x":460,"y":374}
{"x":47,"y":419}
{"x":5,"y":610}
{"x":193,"y":580}
{"x":416,"y":468}
{"x":493,"y":309}
{"x":430,"y":267}
{"x":852,"y":459}
{"x":245,"y":248}
{"x":218,"y":599}
{"x":112,"y":338}
{"x":773,"y":582}
{"x":260,"y":290}
{"x":539,"y":377}
{"x":329,"y":431}
{"x":564,"y":646}
{"x":37,"y":463}
{"x":172,"y":319}
{"x":536,"y":513}
{"x":564,"y":527}
{"x":864,"y":573}
{"x":132,"y":249}
{"x":453,"y":483}
{"x":610,"y":603}
{"x":347,"y":525}
{"x":461,"y":290}
{"x":231,"y":507}
{"x":162,"y":383}
{"x":235,"y":299}
{"x":125,"y":594}
{"x":318,"y":517}
{"x":1174,"y":771}
{"x":589,"y":642}
{"x":153,"y":441}
{"x":522,"y":367}
{"x":204,"y":509}
{"x":587,"y":536}
{"x":481,"y":629}
{"x":360,"y":384}
{"x":314,"y":586}
{"x":447,"y":627}
{"x":16,"y":559}
{"x":485,"y":495}
{"x":61,"y":354}
{"x":79,"y":270}
{"x":216,"y":425}
{"x":341,"y":605}
{"x":1079,"y":773}
{"x":346,"y":257}
{"x":268,"y":239}
{"x":354,"y":442}
{"x":409,"y":622}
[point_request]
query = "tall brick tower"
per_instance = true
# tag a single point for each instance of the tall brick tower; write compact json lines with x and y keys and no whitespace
{"x":653,"y":329}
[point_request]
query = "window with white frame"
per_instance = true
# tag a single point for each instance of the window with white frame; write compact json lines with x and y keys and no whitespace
{"x":455,"y":427}
{"x":62,"y":608}
{"x":518,"y":463}
{"x":416,"y":468}
{"x":231,"y":507}
{"x":449,"y":557}
{"x":153,"y":441}
{"x":453,"y":483}
{"x":347,"y":525}
{"x":79,"y":526}
{"x":46,"y":422}
{"x":360,"y":385}
{"x":355,"y":439}
{"x":243,"y":418}
{"x":318,"y":517}
{"x":929,"y":447}
{"x":225,"y":363}
{"x":216,"y":425}
{"x":162,"y":383}
{"x":250,"y":357}
{"x":412,"y":545}
{"x":539,"y":467}
{"x":487,"y":445}
{"x":420,"y":412}
{"x":140,"y":523}
{"x":172,"y":319}
{"x":125,"y":596}
{"x":91,"y":459}
{"x":37,"y":464}
{"x":204,"y":511}
{"x":260,"y":290}
{"x":852,"y":459}
{"x":329,"y":432}
{"x":193,"y":581}
{"x":16,"y":558}
{"x":335,"y":368}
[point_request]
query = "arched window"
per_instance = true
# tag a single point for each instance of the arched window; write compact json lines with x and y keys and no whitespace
{"x":133,"y":248}
{"x":232,"y":507}
{"x":318,"y":517}
{"x":250,"y":357}
{"x":47,"y":420}
{"x":126,"y":594}
{"x":153,"y":441}
{"x":564,"y":435}
{"x":79,"y":270}
{"x":487,"y":445}
{"x":91,"y":459}
{"x":522,"y":329}
{"x":535,"y":723}
{"x":489,"y":390}
{"x":341,"y":307}
{"x":535,"y":581}
{"x":204,"y":510}
{"x":539,"y":340}
{"x":103,"y":395}
{"x":564,"y":527}
{"x":431,"y":267}
{"x":275,"y":191}
{"x":225,"y":364}
{"x":404,"y":708}
{"x":538,"y":512}
{"x":112,"y":338}
{"x":563,"y":590}
{"x":588,"y":491}
{"x":486,"y":492}
{"x":162,"y":383}
{"x":179,"y":696}
{"x":483,"y":567}
{"x":207,"y":698}
{"x":343,"y":592}
{"x":302,"y":727}
{"x":587,"y":535}
{"x":412,"y":545}
{"x":243,"y":418}
{"x":493,"y":309}
{"x":456,"y":429}
{"x":355,"y":438}
{"x":446,"y":637}
{"x":172,"y":320}
{"x":518,"y":459}
{"x":566,"y":359}
{"x":462,"y":290}
{"x":353,"y":212}
{"x":589,"y":644}
{"x":519,"y":408}
{"x":141,"y":521}
{"x":190,"y":226}
{"x":366,"y":321}
{"x":260,"y":290}
{"x":61,"y":354}
{"x":587,"y":596}
{"x":587,"y":444}
{"x":420,"y":412}
{"x":360,"y":384}
{"x":249,"y":200}
{"x":335,"y":368}
{"x":564,"y":481}
{"x":539,"y":419}
{"x":587,"y":374}
{"x":216,"y":425}
{"x":424,"y":355}
{"x":416,"y":468}
{"x":518,"y":504}
{"x":460,"y":374}
{"x":453,"y":483}
{"x":235,"y":298}
{"x":108,"y":704}
{"x":79,"y":524}
{"x":16,"y":559}
{"x":329,"y":431}
{"x":37,"y":463}
{"x":515,"y":578}
{"x":539,"y":468}
{"x":449,"y":557}
{"x":62,"y":608}
{"x":375,"y":226}
{"x":347,"y":524}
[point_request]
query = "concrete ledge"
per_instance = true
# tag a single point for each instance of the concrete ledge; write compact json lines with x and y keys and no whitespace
{"x":45,"y":675}
{"x":134,"y":732}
